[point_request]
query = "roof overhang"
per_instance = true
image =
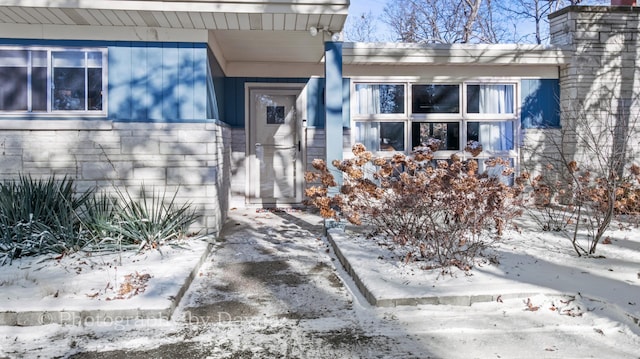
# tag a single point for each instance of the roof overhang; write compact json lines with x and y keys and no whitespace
{"x":253,"y":38}
{"x":453,"y":54}
{"x":453,"y":62}
{"x":242,"y":32}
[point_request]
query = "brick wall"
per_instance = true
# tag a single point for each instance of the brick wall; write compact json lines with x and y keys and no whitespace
{"x":193,"y":159}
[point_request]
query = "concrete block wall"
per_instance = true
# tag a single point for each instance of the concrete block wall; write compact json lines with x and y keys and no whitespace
{"x":238,"y":167}
{"x":600,"y":86}
{"x":190,"y":159}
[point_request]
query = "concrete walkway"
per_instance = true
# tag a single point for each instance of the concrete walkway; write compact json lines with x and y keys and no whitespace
{"x":273,"y":288}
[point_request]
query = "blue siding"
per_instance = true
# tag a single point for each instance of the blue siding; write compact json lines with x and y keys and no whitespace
{"x":140,"y":99}
{"x":196,"y":88}
{"x":149,"y":81}
{"x":119,"y":82}
{"x":315,"y":103}
{"x":540,"y":103}
{"x":167,"y":82}
{"x":170,"y":82}
{"x":234,"y":111}
{"x":215,"y":88}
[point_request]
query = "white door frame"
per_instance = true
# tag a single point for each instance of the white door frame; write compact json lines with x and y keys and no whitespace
{"x":250,"y":158}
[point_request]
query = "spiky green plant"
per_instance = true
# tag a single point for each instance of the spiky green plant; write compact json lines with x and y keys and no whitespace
{"x":40,"y":216}
{"x":125,"y":222}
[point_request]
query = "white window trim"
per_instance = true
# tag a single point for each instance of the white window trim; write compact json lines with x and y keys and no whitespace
{"x":462,"y":117}
{"x":50,"y":113}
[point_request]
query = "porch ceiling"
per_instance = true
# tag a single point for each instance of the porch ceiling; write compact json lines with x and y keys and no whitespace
{"x":246,"y":30}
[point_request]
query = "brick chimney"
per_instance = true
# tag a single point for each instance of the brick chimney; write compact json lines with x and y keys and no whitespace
{"x":623,"y":2}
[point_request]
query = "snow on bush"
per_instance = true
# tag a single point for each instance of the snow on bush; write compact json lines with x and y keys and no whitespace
{"x":443,"y":212}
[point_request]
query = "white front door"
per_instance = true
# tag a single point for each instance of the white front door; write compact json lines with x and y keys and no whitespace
{"x":274,"y":146}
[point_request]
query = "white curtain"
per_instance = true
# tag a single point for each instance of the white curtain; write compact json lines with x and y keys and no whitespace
{"x":496,"y":99}
{"x":368,"y":133}
{"x":368,"y":99}
{"x":496,"y":136}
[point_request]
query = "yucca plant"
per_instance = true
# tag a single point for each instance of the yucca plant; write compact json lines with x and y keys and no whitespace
{"x":39,"y":216}
{"x":124,"y":222}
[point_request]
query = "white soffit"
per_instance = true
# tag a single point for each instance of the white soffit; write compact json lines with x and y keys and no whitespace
{"x":244,"y":30}
{"x":184,"y":14}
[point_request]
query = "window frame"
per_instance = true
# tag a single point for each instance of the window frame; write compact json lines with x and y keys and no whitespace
{"x":462,"y":118}
{"x":50,"y":111}
{"x":380,"y":118}
{"x":493,"y":117}
{"x":438,"y":116}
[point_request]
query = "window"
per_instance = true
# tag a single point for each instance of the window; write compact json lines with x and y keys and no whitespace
{"x":380,"y":136}
{"x":52,"y":80}
{"x":375,"y":99}
{"x":494,"y":99}
{"x":435,"y":98}
{"x":454,"y":114}
{"x":447,"y":132}
{"x":494,"y":136}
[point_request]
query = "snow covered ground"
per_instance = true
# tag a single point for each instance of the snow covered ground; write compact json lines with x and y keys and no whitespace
{"x":272,"y":287}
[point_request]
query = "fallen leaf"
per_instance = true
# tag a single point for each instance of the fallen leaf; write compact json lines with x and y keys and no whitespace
{"x":530,"y":306}
{"x":407,"y":258}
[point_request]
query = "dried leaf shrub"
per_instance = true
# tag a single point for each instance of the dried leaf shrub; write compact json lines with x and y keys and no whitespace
{"x":578,"y":203}
{"x":442,"y":212}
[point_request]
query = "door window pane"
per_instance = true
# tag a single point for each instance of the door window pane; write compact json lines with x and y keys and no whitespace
{"x":373,"y":99}
{"x":495,"y":99}
{"x":380,"y":136}
{"x":435,"y":98}
{"x":447,"y":132}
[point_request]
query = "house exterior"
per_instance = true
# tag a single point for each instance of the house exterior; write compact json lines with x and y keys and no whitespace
{"x":228,"y":102}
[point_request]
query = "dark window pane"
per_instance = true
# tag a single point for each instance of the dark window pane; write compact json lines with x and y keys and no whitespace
{"x":473,"y":99}
{"x":13,"y":80}
{"x":13,"y":88}
{"x":39,"y":89}
{"x":392,"y":136}
{"x":39,"y":80}
{"x":68,"y":84}
{"x":447,"y":132}
{"x":436,"y":99}
{"x":95,"y":89}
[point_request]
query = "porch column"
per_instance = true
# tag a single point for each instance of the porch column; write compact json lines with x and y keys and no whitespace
{"x":333,"y":105}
